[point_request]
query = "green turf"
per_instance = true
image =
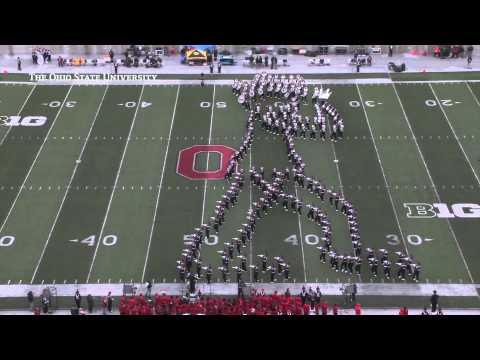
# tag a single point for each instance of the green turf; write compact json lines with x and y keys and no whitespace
{"x":184,"y":204}
{"x":427,"y":76}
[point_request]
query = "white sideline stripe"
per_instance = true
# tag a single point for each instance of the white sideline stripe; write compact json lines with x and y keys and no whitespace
{"x":383,"y":171}
{"x":444,"y":290}
{"x":160,"y":186}
{"x":301,"y":239}
{"x":99,"y":239}
{"x":433,"y":184}
{"x":454,"y":134}
{"x":68,"y":188}
{"x":208,"y":153}
{"x":19,"y":112}
{"x":35,"y":159}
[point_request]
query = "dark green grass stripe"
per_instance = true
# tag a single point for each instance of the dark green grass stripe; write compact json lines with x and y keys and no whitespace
{"x":83,"y":212}
{"x":179,"y":212}
{"x":359,"y":167}
{"x":447,"y":166}
{"x":16,"y":157}
{"x":131,"y":212}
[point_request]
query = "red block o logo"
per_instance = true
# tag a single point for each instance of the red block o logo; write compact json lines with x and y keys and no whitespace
{"x":186,"y":162}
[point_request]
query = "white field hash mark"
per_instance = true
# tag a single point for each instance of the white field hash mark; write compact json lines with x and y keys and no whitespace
{"x":77,"y":163}
{"x":35,"y":159}
{"x":433,"y":184}
{"x":19,"y":112}
{"x":99,"y":240}
{"x":160,"y":186}
{"x":454,"y":134}
{"x":383,"y":171}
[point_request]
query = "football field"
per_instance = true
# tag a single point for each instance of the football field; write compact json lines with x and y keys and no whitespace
{"x":92,"y":188}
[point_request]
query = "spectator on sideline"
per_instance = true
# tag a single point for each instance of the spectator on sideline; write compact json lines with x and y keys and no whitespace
{"x":335,"y":309}
{"x":19,"y":64}
{"x":440,"y":312}
{"x":34,"y":58}
{"x":45,"y":304}
{"x":403,"y":311}
{"x":36,"y":311}
{"x":434,"y":301}
{"x":425,"y":311}
{"x":390,"y":50}
{"x":30,"y":299}
{"x":78,"y":299}
{"x":90,"y":303}
{"x":354,"y":292}
{"x":111,"y":54}
{"x":109,"y":301}
{"x":358,"y":309}
{"x":104,"y":305}
{"x":149,"y":289}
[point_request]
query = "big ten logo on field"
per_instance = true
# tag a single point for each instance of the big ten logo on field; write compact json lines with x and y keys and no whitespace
{"x":187,"y":161}
{"x":22,"y":121}
{"x":442,"y":210}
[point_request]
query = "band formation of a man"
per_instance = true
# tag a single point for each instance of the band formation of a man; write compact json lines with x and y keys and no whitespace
{"x":280,"y":115}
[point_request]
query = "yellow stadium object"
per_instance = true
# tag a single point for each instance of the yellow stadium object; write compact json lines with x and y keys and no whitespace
{"x":196,"y":55}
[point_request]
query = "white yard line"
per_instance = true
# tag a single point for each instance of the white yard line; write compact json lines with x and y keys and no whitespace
{"x":383,"y":171}
{"x":339,"y":177}
{"x":433,"y":184}
{"x":208,"y":153}
{"x":301,"y":239}
{"x":68,"y":187}
{"x":473,"y":94}
{"x":99,"y":239}
{"x":19,"y":112}
{"x":35,"y":159}
{"x":454,"y":134}
{"x":160,"y":187}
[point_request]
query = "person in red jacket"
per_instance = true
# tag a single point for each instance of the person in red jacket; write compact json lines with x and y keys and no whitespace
{"x":358,"y":309}
{"x":335,"y":309}
{"x":403,"y":311}
{"x":324,"y":308}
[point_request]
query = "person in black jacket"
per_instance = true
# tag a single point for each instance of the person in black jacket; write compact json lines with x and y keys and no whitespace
{"x":78,"y":299}
{"x":434,"y":300}
{"x":90,"y":303}
{"x":109,"y":301}
{"x":30,"y":299}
